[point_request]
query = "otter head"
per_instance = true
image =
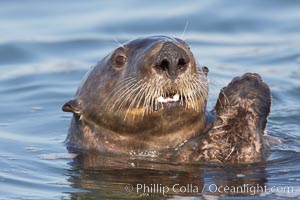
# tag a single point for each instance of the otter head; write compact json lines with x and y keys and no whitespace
{"x":149,"y":86}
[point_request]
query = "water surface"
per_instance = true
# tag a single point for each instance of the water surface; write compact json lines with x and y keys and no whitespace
{"x":46,"y":48}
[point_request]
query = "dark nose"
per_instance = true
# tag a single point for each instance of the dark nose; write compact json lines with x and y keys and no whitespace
{"x":172,"y":60}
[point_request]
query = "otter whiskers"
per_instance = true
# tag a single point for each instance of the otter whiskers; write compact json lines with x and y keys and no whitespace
{"x":148,"y":94}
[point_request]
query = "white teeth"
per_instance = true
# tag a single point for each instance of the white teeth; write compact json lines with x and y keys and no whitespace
{"x":168,"y":99}
{"x":176,"y":97}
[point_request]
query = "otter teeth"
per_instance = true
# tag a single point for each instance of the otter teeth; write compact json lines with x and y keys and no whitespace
{"x":168,"y":99}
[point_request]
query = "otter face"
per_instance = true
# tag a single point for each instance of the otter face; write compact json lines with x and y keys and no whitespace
{"x":149,"y":83}
{"x":156,"y":75}
{"x":147,"y":95}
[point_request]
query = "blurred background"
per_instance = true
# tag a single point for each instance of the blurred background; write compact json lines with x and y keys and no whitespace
{"x":47,"y":46}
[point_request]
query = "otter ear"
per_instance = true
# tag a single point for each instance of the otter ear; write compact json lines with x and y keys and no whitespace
{"x":71,"y":106}
{"x":205,"y":70}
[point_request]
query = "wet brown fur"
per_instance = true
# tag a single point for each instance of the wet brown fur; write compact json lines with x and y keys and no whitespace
{"x":237,"y":134}
{"x":116,"y":111}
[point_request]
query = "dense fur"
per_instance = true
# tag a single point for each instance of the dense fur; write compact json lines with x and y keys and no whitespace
{"x":149,"y":97}
{"x":241,"y":113}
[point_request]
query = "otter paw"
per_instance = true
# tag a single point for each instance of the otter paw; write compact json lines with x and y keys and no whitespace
{"x":241,"y":116}
{"x":249,"y":90}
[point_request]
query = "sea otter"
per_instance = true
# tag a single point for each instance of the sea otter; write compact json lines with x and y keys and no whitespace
{"x":148,"y":97}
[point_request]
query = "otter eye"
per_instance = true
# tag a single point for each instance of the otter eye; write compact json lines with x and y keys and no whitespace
{"x":120,"y":60}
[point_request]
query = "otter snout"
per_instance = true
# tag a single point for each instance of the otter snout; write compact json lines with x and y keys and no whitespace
{"x":171,"y":60}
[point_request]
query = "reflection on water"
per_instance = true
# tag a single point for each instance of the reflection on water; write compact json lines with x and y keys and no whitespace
{"x":112,"y":177}
{"x":46,"y":48}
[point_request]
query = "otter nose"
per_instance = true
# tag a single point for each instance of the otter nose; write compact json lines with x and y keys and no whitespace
{"x":172,"y":60}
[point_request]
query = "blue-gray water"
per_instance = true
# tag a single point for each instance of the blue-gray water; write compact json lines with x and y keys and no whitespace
{"x":47,"y":46}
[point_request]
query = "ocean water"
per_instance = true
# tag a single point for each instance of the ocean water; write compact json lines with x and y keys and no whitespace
{"x":47,"y":46}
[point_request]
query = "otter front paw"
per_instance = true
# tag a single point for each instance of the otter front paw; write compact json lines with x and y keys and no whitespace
{"x":241,"y":117}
